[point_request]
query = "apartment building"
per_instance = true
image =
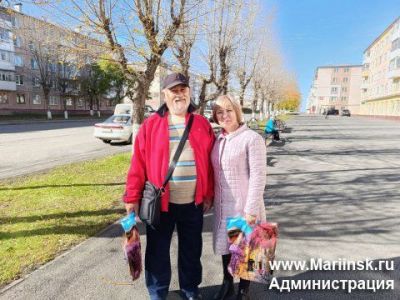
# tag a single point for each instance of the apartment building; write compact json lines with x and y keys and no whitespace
{"x":21,"y":73}
{"x":380,"y":88}
{"x":335,"y":87}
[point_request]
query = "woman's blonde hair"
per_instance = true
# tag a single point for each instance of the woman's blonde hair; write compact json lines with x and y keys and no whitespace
{"x":224,"y":101}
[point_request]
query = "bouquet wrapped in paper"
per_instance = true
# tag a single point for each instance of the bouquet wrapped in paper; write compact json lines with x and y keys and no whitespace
{"x":252,"y":249}
{"x":132,"y":247}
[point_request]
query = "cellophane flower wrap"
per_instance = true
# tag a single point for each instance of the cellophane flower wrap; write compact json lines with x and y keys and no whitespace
{"x":252,"y":249}
{"x":132,"y":247}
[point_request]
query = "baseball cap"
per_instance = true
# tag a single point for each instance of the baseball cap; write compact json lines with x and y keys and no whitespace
{"x":174,"y":79}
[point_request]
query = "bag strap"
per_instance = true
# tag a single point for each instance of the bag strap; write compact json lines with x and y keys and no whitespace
{"x":178,"y":152}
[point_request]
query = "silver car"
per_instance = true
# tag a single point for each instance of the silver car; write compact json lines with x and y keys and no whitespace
{"x":115,"y":128}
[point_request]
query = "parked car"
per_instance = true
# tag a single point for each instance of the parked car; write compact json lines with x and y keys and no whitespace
{"x":115,"y":128}
{"x":345,"y":113}
{"x":333,"y":112}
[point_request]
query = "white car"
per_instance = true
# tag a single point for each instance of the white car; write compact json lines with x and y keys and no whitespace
{"x":115,"y":128}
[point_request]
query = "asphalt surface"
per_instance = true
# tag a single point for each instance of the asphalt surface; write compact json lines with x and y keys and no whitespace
{"x":37,"y":146}
{"x":333,"y":187}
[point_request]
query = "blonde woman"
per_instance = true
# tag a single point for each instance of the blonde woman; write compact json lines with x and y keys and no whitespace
{"x":239,"y":162}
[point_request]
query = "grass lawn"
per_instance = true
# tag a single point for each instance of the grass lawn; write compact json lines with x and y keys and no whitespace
{"x":45,"y":214}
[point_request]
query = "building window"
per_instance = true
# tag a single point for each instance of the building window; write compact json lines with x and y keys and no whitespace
{"x":3,"y":98}
{"x":344,"y":89}
{"x":321,"y":98}
{"x":37,"y":100}
{"x":5,"y":55}
{"x":346,"y":70}
{"x":345,"y":79}
{"x":20,"y":99}
{"x":333,"y":98}
{"x":5,"y":34}
{"x":68,"y":101}
{"x":81,"y":102}
{"x":336,"y":70}
{"x":34,"y":64}
{"x":334,"y":90}
{"x":334,"y":80}
{"x":53,"y":100}
{"x":19,"y":61}
{"x":6,"y":76}
{"x":35,"y":82}
{"x":19,"y":79}
{"x":17,"y":42}
{"x":343,"y":98}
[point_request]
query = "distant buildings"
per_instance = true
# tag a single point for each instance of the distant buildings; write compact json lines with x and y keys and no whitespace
{"x":381,"y":74}
{"x":335,"y":87}
{"x":371,"y":89}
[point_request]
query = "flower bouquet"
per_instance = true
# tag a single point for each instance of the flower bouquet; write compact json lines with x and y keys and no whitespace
{"x":132,"y":247}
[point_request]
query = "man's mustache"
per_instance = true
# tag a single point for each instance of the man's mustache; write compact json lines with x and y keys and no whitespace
{"x":179,"y":98}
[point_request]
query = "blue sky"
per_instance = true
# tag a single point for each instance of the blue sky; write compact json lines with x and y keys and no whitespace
{"x":321,"y":32}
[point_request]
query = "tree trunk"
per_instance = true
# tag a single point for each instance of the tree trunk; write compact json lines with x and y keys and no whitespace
{"x":202,"y":96}
{"x":241,"y":95}
{"x":47,"y":103}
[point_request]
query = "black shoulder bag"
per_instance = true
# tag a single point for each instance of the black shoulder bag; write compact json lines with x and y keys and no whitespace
{"x":150,"y":205}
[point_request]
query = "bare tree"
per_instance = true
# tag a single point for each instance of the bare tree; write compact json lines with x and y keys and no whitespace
{"x":39,"y":43}
{"x":220,"y":27}
{"x":184,"y":41}
{"x":136,"y":33}
{"x":248,"y":52}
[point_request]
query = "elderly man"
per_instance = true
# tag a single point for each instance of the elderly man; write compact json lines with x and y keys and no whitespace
{"x":188,"y":194}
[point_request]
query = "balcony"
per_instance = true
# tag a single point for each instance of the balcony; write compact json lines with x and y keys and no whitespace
{"x":395,"y":34}
{"x":394,"y":54}
{"x":8,"y":86}
{"x":394,"y":74}
{"x":5,"y":65}
{"x":364,"y":84}
{"x":366,"y":59}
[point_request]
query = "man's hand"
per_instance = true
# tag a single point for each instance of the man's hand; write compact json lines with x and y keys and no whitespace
{"x":132,"y":207}
{"x":250,"y":219}
{"x":207,"y":204}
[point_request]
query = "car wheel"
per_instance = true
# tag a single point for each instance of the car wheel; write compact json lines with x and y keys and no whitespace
{"x":106,"y":141}
{"x":129,"y":141}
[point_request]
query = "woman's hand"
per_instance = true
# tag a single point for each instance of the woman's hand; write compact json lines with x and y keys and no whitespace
{"x":250,"y":219}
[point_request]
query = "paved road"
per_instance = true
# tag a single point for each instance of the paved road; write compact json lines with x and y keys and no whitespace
{"x":26,"y":148}
{"x":334,"y":190}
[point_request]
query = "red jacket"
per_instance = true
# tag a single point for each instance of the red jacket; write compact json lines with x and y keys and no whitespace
{"x":150,"y":160}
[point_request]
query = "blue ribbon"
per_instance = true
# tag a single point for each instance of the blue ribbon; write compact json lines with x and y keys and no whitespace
{"x":238,"y":223}
{"x":128,"y":222}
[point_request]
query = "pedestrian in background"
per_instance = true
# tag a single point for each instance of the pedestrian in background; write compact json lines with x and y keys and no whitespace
{"x":270,"y":128}
{"x":189,"y":191}
{"x":239,"y":161}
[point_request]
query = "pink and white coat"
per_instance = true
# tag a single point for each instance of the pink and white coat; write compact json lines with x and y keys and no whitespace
{"x":240,"y":167}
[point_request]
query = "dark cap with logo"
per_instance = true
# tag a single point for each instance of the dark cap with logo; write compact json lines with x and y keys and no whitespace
{"x":174,"y":79}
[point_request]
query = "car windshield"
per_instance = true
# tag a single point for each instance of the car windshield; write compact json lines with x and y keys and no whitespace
{"x":117,"y":120}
